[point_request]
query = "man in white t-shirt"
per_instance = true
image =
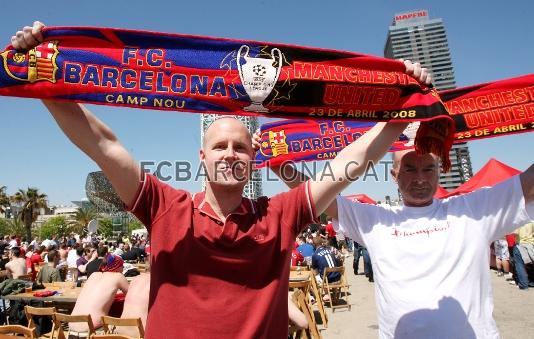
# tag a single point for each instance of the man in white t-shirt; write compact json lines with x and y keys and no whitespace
{"x":431,"y":257}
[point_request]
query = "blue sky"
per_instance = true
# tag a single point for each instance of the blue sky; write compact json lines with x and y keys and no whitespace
{"x":489,"y":40}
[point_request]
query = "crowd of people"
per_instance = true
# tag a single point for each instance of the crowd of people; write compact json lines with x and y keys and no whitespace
{"x":100,"y":267}
{"x":512,"y":256}
{"x":49,"y":260}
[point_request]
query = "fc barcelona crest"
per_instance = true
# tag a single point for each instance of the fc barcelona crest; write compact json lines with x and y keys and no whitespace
{"x":39,"y":64}
{"x":274,"y":144}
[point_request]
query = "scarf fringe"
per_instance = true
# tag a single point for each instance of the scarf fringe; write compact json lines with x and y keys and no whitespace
{"x":436,"y":137}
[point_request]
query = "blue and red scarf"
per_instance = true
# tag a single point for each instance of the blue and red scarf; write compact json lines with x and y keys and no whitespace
{"x":213,"y":75}
{"x":480,"y":111}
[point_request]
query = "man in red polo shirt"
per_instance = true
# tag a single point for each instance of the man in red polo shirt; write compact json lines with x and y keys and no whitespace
{"x":220,"y":262}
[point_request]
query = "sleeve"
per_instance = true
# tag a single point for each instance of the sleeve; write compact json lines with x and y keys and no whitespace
{"x":501,"y":207}
{"x":153,"y":198}
{"x":354,"y":219}
{"x":298,"y":209}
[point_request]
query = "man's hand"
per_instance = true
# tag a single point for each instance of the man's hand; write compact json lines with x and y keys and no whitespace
{"x":86,"y":131}
{"x":28,"y":37}
{"x":420,"y":73}
{"x":256,"y":141}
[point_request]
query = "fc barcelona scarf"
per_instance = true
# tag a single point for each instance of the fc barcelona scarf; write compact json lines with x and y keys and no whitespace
{"x":222,"y":76}
{"x":480,"y":111}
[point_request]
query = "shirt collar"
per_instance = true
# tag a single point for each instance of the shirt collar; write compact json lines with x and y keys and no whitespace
{"x":200,"y":203}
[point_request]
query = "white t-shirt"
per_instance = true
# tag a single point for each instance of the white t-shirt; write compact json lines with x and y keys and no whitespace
{"x":431,"y":264}
{"x":72,"y":257}
{"x":47,"y":242}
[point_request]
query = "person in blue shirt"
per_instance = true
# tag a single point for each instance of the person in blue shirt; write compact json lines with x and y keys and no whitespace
{"x":324,"y":257}
{"x":304,"y":248}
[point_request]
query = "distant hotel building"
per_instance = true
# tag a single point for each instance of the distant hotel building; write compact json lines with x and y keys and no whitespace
{"x":253,"y":189}
{"x":414,"y":36}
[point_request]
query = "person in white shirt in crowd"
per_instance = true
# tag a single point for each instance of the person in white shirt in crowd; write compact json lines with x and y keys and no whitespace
{"x":119,"y":250}
{"x":35,"y":242}
{"x":47,"y":243}
{"x":13,"y":241}
{"x":502,"y":257}
{"x":72,"y":257}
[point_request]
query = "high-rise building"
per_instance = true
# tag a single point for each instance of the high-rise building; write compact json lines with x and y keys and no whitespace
{"x":253,"y":189}
{"x":415,"y":36}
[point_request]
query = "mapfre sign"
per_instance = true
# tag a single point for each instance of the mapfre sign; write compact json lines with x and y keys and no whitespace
{"x":410,"y":15}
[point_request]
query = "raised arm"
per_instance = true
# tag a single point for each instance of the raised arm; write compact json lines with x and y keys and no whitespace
{"x":87,"y":132}
{"x":527,"y":183}
{"x":352,"y":161}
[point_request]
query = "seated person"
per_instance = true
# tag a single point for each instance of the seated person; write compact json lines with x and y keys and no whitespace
{"x":131,"y":253}
{"x":324,"y":257}
{"x":17,"y":264}
{"x":85,"y":255}
{"x":296,"y":258}
{"x":103,"y":259}
{"x":521,"y":252}
{"x":97,"y":296}
{"x":136,"y":303}
{"x":49,"y":272}
{"x":304,"y":248}
{"x":4,"y":274}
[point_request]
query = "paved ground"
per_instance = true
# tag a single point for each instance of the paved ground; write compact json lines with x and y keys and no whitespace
{"x":512,"y":311}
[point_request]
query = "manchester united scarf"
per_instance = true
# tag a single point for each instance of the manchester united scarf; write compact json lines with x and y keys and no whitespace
{"x":213,"y":75}
{"x":480,"y":111}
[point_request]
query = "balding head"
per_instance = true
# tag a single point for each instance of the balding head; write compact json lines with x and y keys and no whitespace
{"x":224,"y":122}
{"x":417,"y":176}
{"x":397,"y":157}
{"x":227,"y":153}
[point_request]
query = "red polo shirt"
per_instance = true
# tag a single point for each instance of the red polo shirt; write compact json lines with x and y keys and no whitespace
{"x":219,"y":280}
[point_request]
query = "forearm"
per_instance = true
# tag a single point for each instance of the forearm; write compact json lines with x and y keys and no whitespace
{"x":97,"y":140}
{"x":289,"y":175}
{"x":82,"y":128}
{"x":351,"y":163}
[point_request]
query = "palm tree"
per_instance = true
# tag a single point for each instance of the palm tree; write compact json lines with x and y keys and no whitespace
{"x":29,"y":201}
{"x":4,"y":199}
{"x":15,"y":226}
{"x":83,"y":216}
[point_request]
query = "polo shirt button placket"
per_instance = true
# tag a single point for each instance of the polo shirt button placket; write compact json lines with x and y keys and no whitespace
{"x":229,"y":231}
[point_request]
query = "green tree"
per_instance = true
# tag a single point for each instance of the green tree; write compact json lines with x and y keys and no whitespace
{"x":134,"y":225}
{"x":105,"y":227}
{"x":16,"y":226}
{"x":11,"y":226}
{"x":54,"y":226}
{"x":30,"y":201}
{"x":4,"y":227}
{"x":4,"y":199}
{"x":83,"y":216}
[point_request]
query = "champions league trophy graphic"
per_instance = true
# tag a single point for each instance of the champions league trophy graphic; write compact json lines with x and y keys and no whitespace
{"x":258,"y":76}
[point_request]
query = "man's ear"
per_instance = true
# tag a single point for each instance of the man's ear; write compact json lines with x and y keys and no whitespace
{"x":201,"y":154}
